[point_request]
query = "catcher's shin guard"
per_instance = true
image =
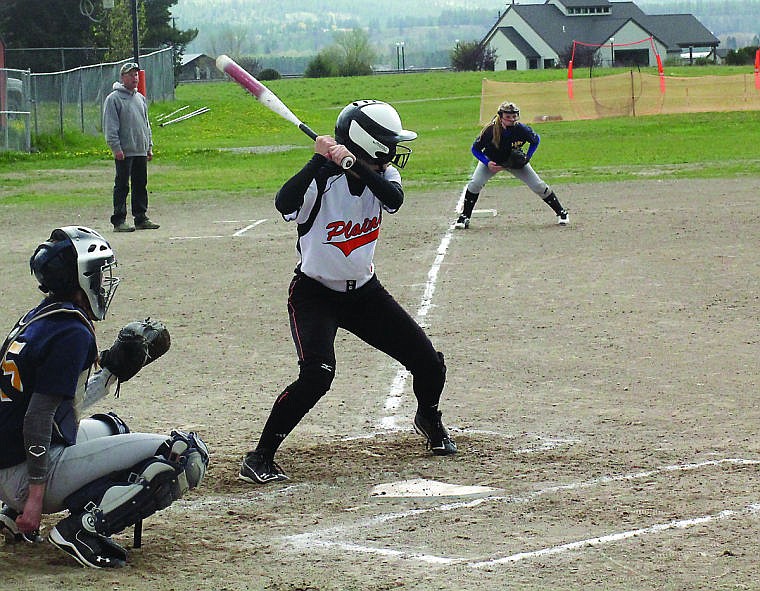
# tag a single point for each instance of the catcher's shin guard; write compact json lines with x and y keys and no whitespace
{"x":110,"y":504}
{"x":190,"y":452}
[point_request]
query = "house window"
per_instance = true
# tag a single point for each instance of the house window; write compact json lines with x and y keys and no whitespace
{"x":533,"y":64}
{"x":548,"y":64}
{"x":511,"y":64}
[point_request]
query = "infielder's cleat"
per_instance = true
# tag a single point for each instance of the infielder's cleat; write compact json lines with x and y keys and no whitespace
{"x":10,"y":530}
{"x":87,"y":548}
{"x":438,"y":438}
{"x":260,"y":468}
{"x":563,"y":219}
{"x":462,"y":223}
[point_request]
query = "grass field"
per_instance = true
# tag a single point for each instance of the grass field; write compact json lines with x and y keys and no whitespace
{"x":442,"y":107}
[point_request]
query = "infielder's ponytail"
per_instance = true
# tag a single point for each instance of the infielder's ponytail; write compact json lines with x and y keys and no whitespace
{"x":494,"y":123}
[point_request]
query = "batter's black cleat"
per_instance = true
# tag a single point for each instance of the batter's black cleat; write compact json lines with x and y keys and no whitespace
{"x":260,"y":468}
{"x":87,"y":548}
{"x":462,"y":223}
{"x":563,"y":219}
{"x":10,"y":530}
{"x":438,"y":438}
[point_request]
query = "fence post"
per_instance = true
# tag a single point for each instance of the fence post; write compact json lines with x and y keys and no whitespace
{"x":33,"y":86}
{"x":60,"y":104}
{"x":81,"y":99}
{"x":633,"y":95}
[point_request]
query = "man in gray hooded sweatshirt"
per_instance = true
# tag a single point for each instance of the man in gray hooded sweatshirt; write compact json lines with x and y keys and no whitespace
{"x":128,"y":134}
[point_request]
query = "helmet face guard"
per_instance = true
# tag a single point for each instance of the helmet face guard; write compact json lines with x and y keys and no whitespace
{"x":509,"y":109}
{"x":77,"y":257}
{"x":372,"y":131}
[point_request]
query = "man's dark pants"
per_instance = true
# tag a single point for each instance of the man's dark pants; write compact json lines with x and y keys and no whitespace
{"x":132,"y":170}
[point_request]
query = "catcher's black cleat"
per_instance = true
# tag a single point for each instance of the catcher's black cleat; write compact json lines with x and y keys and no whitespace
{"x":260,"y":468}
{"x":438,"y":438}
{"x":87,"y":548}
{"x":563,"y":218}
{"x":10,"y":530}
{"x":462,"y":223}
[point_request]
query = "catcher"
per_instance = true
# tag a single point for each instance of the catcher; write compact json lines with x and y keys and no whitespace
{"x":499,"y":147}
{"x":51,"y":458}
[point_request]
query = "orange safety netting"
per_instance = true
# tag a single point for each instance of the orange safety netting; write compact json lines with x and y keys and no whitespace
{"x":631,"y":93}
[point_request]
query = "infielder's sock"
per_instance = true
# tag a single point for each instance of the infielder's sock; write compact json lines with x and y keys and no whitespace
{"x":470,"y":199}
{"x":554,"y":203}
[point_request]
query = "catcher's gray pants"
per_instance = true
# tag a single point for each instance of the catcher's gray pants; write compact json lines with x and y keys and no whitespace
{"x":526,"y":174}
{"x":93,"y":456}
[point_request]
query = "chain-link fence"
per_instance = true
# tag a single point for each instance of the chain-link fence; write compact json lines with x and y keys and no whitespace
{"x":15,"y":131}
{"x":54,"y":103}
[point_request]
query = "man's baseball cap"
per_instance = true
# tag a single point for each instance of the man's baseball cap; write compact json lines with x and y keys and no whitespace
{"x":128,"y":67}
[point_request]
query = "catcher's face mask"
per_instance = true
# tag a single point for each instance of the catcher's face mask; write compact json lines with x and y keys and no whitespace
{"x":95,"y":268}
{"x":103,"y":284}
{"x":509,"y":116}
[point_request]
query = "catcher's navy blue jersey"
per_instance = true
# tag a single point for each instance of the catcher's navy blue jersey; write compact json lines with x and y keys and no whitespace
{"x":50,"y":351}
{"x":512,"y":137}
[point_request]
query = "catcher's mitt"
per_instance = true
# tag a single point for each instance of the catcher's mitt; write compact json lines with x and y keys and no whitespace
{"x":517,"y":159}
{"x":137,"y":344}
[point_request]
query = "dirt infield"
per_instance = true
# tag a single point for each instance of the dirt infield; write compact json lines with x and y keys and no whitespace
{"x":602,"y":379}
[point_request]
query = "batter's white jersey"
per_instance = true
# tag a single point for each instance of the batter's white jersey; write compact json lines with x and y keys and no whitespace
{"x":338,"y":246}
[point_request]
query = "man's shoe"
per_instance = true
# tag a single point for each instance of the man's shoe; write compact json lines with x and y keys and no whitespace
{"x":462,"y":223}
{"x":87,"y":548}
{"x":10,"y":530}
{"x":260,"y":468}
{"x":438,"y":438}
{"x":146,"y":224}
{"x":563,"y":219}
{"x":123,"y":227}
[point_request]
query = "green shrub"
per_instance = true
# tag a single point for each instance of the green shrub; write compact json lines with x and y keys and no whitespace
{"x":269,"y":74}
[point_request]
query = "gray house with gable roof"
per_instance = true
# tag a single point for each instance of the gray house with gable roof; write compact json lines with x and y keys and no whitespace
{"x":539,"y":36}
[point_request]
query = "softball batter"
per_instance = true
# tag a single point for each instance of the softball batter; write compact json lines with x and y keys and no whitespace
{"x":499,"y":147}
{"x":338,"y":214}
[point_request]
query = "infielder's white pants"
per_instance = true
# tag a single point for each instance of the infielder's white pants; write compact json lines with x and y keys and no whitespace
{"x":526,"y":174}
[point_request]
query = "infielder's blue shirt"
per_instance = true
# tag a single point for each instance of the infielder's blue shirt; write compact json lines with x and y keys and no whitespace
{"x":511,"y":137}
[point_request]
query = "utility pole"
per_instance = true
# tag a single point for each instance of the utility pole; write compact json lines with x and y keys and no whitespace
{"x":135,"y":38}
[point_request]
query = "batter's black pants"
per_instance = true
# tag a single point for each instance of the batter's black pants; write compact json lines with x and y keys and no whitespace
{"x":370,"y":313}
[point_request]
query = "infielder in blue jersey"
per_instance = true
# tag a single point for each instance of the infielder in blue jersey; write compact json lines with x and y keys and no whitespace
{"x":498,"y":147}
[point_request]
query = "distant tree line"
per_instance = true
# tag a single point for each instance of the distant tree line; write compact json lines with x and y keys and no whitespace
{"x":99,"y":34}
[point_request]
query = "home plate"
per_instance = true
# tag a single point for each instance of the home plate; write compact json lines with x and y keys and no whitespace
{"x":484,"y":213}
{"x":419,"y":487}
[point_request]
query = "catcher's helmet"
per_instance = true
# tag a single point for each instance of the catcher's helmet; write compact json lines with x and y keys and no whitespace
{"x":372,"y":130}
{"x":509,"y":107}
{"x":76,"y":257}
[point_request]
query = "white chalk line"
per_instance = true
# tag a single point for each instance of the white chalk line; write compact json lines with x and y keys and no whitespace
{"x":616,"y":537}
{"x":248,"y":227}
{"x":233,"y":235}
{"x":336,"y":537}
{"x":395,"y":395}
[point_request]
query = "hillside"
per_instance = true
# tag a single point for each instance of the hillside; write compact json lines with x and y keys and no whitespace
{"x":294,"y":28}
{"x":286,"y":34}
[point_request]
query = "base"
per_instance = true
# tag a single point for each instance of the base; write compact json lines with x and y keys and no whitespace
{"x":484,"y":213}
